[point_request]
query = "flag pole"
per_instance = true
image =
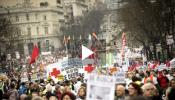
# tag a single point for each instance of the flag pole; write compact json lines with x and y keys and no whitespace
{"x":73,"y":51}
{"x":123,"y":47}
{"x":66,"y":47}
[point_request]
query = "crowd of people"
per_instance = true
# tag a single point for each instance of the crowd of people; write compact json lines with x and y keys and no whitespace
{"x":139,"y":85}
{"x":148,"y":85}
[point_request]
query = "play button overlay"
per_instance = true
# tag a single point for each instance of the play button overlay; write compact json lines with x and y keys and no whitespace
{"x":86,"y":52}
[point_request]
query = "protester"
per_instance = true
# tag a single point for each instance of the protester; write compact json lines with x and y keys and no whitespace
{"x":134,"y":90}
{"x":163,"y":81}
{"x":53,"y":98}
{"x":23,"y":97}
{"x":75,"y":89}
{"x":170,"y":92}
{"x":37,"y":98}
{"x":150,"y":91}
{"x":22,"y":89}
{"x":68,"y":96}
{"x":149,"y":78}
{"x":81,"y":95}
{"x":77,"y":85}
{"x":139,"y":98}
{"x":128,"y":79}
{"x":120,"y":92}
{"x":58,"y":91}
{"x":14,"y":95}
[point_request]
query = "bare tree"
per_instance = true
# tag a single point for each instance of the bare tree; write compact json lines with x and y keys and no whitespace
{"x":86,"y":24}
{"x":147,"y":23}
{"x":9,"y":34}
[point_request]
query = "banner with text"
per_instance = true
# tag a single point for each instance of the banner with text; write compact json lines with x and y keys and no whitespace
{"x":100,"y":87}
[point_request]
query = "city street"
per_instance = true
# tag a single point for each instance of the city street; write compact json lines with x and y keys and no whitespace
{"x":87,"y":49}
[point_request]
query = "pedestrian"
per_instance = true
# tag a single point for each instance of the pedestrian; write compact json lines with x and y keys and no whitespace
{"x":68,"y":96}
{"x":58,"y":91}
{"x":170,"y":92}
{"x":150,"y":91}
{"x":81,"y":95}
{"x":77,"y":85}
{"x":120,"y":92}
{"x":14,"y":95}
{"x":22,"y":89}
{"x":134,"y":90}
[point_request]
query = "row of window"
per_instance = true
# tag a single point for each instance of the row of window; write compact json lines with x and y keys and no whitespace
{"x":45,"y":4}
{"x":46,"y":30}
{"x":45,"y":46}
{"x":28,"y":17}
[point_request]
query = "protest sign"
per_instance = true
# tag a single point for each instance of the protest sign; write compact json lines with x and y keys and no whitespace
{"x":120,"y":77}
{"x":161,"y":67}
{"x":100,"y":87}
{"x":172,"y":62}
{"x":24,"y":77}
{"x":69,"y":68}
{"x":34,"y":77}
{"x":142,"y":68}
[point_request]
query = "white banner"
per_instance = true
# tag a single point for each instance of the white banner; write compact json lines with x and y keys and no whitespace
{"x":69,"y":68}
{"x":24,"y":77}
{"x":169,"y":39}
{"x":120,"y":77}
{"x":100,"y":87}
{"x":34,"y":77}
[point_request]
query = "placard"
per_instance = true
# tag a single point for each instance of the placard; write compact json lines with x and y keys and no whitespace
{"x":100,"y":87}
{"x":120,"y":77}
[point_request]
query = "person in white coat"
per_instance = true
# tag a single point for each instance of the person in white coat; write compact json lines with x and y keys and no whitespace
{"x":77,"y":85}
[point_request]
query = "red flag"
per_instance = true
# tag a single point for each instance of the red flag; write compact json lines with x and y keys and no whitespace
{"x":34,"y":55}
{"x":89,"y":68}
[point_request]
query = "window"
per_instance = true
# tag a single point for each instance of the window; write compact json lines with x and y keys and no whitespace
{"x":19,"y":31}
{"x":36,"y":16}
{"x":17,"y":18}
{"x":47,"y":45}
{"x":46,"y":30}
{"x":26,"y":1}
{"x":45,"y":17}
{"x":37,"y":30}
{"x":27,"y":17}
{"x":59,"y":1}
{"x":29,"y":31}
{"x":43,"y":4}
{"x":30,"y":47}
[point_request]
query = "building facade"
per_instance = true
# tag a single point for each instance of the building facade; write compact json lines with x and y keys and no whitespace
{"x":74,"y":9}
{"x":39,"y":23}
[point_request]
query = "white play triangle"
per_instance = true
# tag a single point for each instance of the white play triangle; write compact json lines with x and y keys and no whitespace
{"x":86,"y":52}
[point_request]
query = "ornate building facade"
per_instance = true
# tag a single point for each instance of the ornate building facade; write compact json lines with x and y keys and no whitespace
{"x":40,"y":21}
